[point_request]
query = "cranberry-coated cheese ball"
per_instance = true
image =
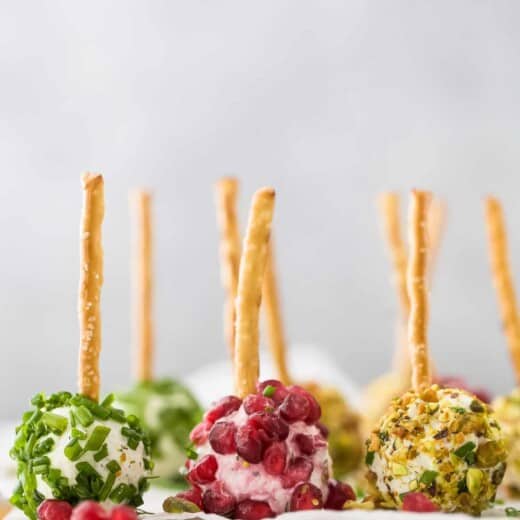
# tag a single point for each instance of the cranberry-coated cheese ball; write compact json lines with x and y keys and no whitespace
{"x":262,"y":456}
{"x":444,"y":443}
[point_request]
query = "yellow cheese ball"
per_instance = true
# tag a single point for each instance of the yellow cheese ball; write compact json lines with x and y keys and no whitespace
{"x":343,"y":423}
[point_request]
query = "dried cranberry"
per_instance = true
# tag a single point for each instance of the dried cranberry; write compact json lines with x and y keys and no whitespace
{"x":253,"y":510}
{"x":193,"y":495}
{"x":280,"y":392}
{"x":419,"y":503}
{"x":123,"y":513}
{"x":314,"y":414}
{"x":299,"y":470}
{"x":217,"y":500}
{"x":275,"y":458}
{"x":275,"y":427}
{"x":199,"y":434}
{"x":203,"y":472}
{"x":258,"y":403}
{"x":295,"y":407}
{"x":250,"y":443}
{"x":306,"y":496}
{"x":225,"y":406}
{"x":222,"y":437}
{"x":339,"y":493}
{"x":54,"y":510}
{"x":89,"y":510}
{"x":305,"y":443}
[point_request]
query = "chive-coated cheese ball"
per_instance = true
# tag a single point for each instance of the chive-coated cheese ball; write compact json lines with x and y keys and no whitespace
{"x":507,"y":411}
{"x":343,"y":424}
{"x":443,"y":443}
{"x":71,"y":448}
{"x":168,"y":412}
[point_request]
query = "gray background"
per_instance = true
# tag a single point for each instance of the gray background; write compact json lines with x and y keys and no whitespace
{"x":331,"y":102}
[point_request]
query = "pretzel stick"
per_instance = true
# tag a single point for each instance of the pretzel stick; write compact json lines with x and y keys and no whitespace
{"x":389,"y":208}
{"x":143,"y":285}
{"x":226,"y":200}
{"x":503,"y":279}
{"x":273,"y":316}
{"x":91,"y":281}
{"x":249,"y":293}
{"x":418,"y":291}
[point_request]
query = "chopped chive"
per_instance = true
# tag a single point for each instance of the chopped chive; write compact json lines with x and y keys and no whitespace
{"x":133,"y":443}
{"x":43,"y":446}
{"x":86,"y":469}
{"x":120,"y":493}
{"x":269,"y":391}
{"x":101,"y":454}
{"x":465,"y":449}
{"x":148,"y":464}
{"x":83,"y":415}
{"x":100,"y":412}
{"x":108,"y":400}
{"x":113,"y":466}
{"x":369,"y":458}
{"x":428,"y":477}
{"x":97,"y":438}
{"x":78,"y":434}
{"x":191,"y":453}
{"x":55,"y":422}
{"x":40,"y":469}
{"x":107,"y":487}
{"x":73,"y":450}
{"x":117,"y":415}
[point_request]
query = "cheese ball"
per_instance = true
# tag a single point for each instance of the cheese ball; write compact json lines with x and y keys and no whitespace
{"x":168,"y":412}
{"x":261,"y":456}
{"x":444,"y":443}
{"x":507,"y":411}
{"x":71,"y":448}
{"x":343,"y":425}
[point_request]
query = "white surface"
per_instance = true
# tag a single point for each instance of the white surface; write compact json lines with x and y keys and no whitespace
{"x":329,"y":101}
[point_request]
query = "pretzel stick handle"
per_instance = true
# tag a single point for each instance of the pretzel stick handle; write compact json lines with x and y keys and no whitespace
{"x":249,"y":293}
{"x":143,"y":285}
{"x":226,"y":190}
{"x":274,"y":320}
{"x":390,"y":218}
{"x":418,"y":290}
{"x":91,"y":281}
{"x":503,"y":279}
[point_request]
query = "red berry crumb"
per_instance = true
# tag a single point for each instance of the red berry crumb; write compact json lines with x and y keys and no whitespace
{"x":217,"y":500}
{"x":295,"y":407}
{"x":222,"y":437}
{"x":258,"y":403}
{"x":89,"y":510}
{"x":275,"y":458}
{"x":419,"y":503}
{"x":223,"y":407}
{"x":199,"y":434}
{"x":253,"y":510}
{"x":280,"y":392}
{"x":123,"y":513}
{"x":305,"y":443}
{"x":299,"y":470}
{"x":54,"y":510}
{"x":250,"y":443}
{"x":274,"y":427}
{"x":339,"y":493}
{"x":203,"y":472}
{"x":193,"y":495}
{"x":306,"y":496}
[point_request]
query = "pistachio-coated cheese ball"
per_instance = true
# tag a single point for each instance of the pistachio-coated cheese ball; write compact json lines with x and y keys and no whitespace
{"x":444,"y":443}
{"x":507,"y":411}
{"x":73,"y":449}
